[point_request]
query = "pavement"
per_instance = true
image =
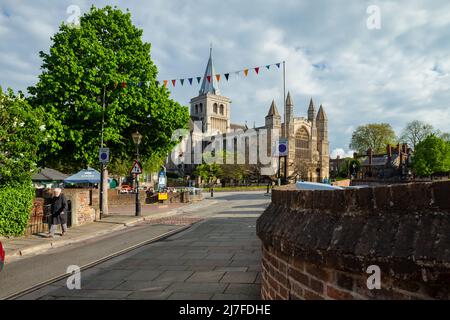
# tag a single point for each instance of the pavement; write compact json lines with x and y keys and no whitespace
{"x":120,"y":217}
{"x":216,"y":258}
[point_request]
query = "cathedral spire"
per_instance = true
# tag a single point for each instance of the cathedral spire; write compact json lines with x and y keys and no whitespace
{"x":273,"y":110}
{"x":321,"y":115}
{"x":311,"y":111}
{"x":209,"y":84}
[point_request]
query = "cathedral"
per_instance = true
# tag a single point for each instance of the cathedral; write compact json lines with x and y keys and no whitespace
{"x":308,"y":147}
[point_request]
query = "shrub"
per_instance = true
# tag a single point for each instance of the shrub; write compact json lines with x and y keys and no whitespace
{"x":16,"y":201}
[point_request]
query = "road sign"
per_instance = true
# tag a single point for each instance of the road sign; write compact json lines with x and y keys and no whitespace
{"x":103,"y":155}
{"x":137,"y":168}
{"x":282,"y":148}
{"x":162,"y":179}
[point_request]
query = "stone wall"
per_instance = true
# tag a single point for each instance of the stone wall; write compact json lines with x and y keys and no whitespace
{"x":82,"y":211}
{"x":319,"y":244}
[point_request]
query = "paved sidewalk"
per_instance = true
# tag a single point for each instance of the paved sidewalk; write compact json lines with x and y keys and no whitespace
{"x":215,"y":259}
{"x":119,"y":219}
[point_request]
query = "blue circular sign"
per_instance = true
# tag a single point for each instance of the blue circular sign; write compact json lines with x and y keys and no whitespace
{"x":104,"y":156}
{"x":282,"y":148}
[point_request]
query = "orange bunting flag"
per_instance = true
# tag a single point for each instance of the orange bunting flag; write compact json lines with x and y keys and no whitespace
{"x":257,"y":70}
{"x":165,"y":83}
{"x":124,"y":84}
{"x":246,"y":72}
{"x":218,"y":77}
{"x":173,"y":82}
{"x":209,"y":78}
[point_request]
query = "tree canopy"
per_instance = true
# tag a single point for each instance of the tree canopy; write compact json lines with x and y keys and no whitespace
{"x":415,"y":131}
{"x":21,"y":131}
{"x":87,"y":65}
{"x":432,"y":155}
{"x":374,"y":135}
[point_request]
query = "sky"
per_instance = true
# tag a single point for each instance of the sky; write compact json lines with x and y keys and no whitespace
{"x":365,"y":61}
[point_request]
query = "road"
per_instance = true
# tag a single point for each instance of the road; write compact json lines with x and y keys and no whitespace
{"x":217,"y":258}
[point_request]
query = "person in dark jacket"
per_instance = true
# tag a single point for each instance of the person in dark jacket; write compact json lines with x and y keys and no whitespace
{"x":59,"y":208}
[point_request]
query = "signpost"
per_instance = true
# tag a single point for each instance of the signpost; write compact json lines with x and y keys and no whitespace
{"x":136,"y":169}
{"x":103,"y":155}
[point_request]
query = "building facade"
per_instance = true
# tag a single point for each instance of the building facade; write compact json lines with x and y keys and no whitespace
{"x":308,"y":146}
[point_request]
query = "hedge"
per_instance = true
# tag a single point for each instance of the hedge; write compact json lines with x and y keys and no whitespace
{"x":16,"y":202}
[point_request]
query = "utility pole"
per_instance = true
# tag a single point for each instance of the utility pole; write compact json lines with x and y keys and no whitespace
{"x":103,"y":186}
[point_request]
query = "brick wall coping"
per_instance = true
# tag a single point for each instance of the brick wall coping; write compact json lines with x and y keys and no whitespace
{"x":401,"y":228}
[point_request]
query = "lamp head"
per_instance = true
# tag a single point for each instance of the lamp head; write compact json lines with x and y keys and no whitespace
{"x":137,"y":137}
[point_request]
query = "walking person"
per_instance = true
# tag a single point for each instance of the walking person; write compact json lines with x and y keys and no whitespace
{"x":59,"y":208}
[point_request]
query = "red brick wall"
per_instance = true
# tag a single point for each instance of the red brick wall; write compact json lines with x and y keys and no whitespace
{"x":290,"y":278}
{"x":319,"y":244}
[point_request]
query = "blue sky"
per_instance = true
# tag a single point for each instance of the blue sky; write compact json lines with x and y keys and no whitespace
{"x":394,"y":74}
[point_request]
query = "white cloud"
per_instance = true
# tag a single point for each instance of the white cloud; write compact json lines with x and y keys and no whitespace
{"x":341,"y":153}
{"x":396,"y":74}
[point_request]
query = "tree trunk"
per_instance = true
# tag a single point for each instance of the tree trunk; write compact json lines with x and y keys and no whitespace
{"x":105,"y":191}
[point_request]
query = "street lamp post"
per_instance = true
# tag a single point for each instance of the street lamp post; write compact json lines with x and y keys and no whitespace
{"x":137,"y":137}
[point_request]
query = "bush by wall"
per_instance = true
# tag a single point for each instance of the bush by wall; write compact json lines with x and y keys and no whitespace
{"x":16,"y":201}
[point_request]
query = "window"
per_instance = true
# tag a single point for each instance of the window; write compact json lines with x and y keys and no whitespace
{"x":301,"y":143}
{"x":201,"y":107}
{"x":196,"y":108}
{"x":221,"y":109}
{"x":215,"y":108}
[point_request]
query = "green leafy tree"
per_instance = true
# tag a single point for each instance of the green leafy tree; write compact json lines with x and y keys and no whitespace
{"x":208,"y":172}
{"x":85,"y":67}
{"x":348,"y":166}
{"x":374,"y":135}
{"x":431,"y":156}
{"x":21,"y":131}
{"x":415,"y":131}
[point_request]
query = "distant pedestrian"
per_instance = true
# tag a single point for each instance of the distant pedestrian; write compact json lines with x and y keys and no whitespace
{"x":59,"y":208}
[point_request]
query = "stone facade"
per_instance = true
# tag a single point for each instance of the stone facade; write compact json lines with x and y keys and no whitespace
{"x":307,"y":137}
{"x":319,"y":244}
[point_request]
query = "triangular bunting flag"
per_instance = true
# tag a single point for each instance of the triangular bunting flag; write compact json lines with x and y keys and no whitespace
{"x":157,"y":83}
{"x":268,"y":66}
{"x":198,"y":79}
{"x":278,"y":65}
{"x":257,"y":70}
{"x":246,"y":72}
{"x":165,"y":83}
{"x":124,"y":84}
{"x":182,"y":81}
{"x":140,"y":84}
{"x":227,"y":75}
{"x":115,"y":85}
{"x":190,"y":81}
{"x":209,"y":78}
{"x":218,"y":77}
{"x":173,"y":82}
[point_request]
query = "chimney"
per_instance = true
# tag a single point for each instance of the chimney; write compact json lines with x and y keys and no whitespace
{"x":389,"y":152}
{"x":370,"y":154}
{"x":405,"y":148}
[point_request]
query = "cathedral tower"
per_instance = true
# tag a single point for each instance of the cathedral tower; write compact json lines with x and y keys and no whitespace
{"x":209,"y":106}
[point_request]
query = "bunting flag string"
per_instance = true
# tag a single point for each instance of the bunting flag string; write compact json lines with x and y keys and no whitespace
{"x":209,"y":78}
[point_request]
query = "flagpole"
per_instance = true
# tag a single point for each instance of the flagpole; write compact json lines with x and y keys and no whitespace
{"x":284,"y":97}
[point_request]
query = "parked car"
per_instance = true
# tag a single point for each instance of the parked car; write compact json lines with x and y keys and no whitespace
{"x":125,"y":188}
{"x":2,"y":256}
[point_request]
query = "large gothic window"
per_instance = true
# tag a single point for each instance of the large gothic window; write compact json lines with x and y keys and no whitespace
{"x":221,"y":109}
{"x":215,"y":108}
{"x":301,"y":143}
